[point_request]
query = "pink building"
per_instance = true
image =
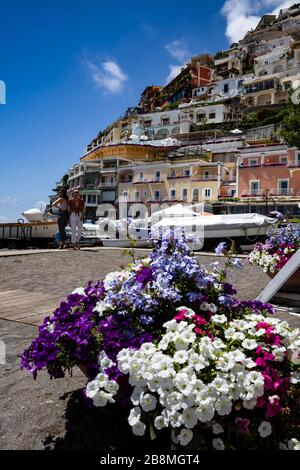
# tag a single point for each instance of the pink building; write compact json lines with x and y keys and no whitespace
{"x":268,"y":170}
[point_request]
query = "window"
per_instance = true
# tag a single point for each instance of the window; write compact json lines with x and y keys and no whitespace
{"x":92,"y":199}
{"x":184,"y":194}
{"x":240,"y":83}
{"x":253,"y":162}
{"x":125,"y":193}
{"x":200,"y":117}
{"x":141,"y":176}
{"x":207,"y":192}
{"x":137,"y":196}
{"x":226,"y":88}
{"x":157,"y":176}
{"x":283,"y":186}
{"x":283,"y":159}
{"x":148,"y":123}
{"x":196,"y":194}
{"x":206,"y":174}
{"x":173,"y":173}
{"x":187,"y":173}
{"x":254,"y":187}
{"x":165,"y":121}
{"x":145,"y":194}
{"x":173,"y":194}
{"x":157,"y":195}
{"x":298,"y":159}
{"x":212,"y":116}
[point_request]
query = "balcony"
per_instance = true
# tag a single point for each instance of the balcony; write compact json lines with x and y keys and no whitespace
{"x":154,"y":181}
{"x":170,"y":177}
{"x":106,"y":185}
{"x":261,"y":86}
{"x":90,"y":186}
{"x":289,"y":192}
{"x":109,"y":169}
{"x":128,"y":180}
{"x":205,"y":178}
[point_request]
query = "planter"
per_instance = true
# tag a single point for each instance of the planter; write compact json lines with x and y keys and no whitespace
{"x":293,"y":283}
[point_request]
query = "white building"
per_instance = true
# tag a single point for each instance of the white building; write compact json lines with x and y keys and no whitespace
{"x":163,"y":124}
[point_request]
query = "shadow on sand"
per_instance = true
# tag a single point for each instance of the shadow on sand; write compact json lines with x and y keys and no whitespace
{"x":105,"y":429}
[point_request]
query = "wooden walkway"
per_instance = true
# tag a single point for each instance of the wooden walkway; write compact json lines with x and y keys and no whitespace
{"x":26,"y":306}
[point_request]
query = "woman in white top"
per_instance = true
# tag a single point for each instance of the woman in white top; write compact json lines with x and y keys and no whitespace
{"x":62,"y":203}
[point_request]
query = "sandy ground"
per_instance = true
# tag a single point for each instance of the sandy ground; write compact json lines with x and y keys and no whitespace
{"x":51,"y":414}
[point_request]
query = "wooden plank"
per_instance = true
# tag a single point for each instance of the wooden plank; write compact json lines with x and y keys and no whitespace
{"x":6,"y":292}
{"x":46,"y":311}
{"x":280,"y":279}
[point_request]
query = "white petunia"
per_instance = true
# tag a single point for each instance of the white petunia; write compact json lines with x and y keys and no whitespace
{"x":189,"y":417}
{"x":160,"y":422}
{"x":92,"y":388}
{"x":79,"y":291}
{"x":217,"y":429}
{"x":218,"y":444}
{"x":219,"y":319}
{"x":249,"y":344}
{"x":148,"y":402}
{"x":139,"y":429}
{"x":50,"y":327}
{"x":185,"y":436}
{"x":181,"y":357}
{"x":134,"y":416}
{"x":293,"y":444}
{"x":265,"y":429}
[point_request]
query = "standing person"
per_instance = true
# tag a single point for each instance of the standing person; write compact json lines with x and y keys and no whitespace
{"x":62,"y":204}
{"x":77,"y":211}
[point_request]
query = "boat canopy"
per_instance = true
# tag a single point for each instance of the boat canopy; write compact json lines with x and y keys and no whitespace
{"x":218,"y":221}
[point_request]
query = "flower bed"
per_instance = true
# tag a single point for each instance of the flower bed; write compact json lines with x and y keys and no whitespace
{"x":168,"y":339}
{"x":277,"y":250}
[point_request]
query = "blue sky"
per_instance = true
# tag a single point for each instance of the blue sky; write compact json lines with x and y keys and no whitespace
{"x":73,"y":66}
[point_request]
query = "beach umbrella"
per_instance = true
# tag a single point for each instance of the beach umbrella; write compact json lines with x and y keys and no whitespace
{"x":144,"y":137}
{"x":236,"y":131}
{"x":133,"y":137}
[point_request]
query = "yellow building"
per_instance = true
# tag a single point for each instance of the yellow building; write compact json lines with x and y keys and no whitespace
{"x":184,"y":181}
{"x":149,"y":174}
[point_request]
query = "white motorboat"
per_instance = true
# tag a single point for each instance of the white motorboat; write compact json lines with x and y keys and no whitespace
{"x":210,"y":230}
{"x":34,"y":232}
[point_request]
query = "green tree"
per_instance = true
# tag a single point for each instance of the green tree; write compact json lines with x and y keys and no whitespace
{"x":291,"y":121}
{"x":249,"y":120}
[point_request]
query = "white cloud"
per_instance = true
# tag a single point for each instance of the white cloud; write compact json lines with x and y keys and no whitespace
{"x":178,"y":49}
{"x":244,"y":15}
{"x":174,"y":71}
{"x":8,"y":201}
{"x":108,"y":76}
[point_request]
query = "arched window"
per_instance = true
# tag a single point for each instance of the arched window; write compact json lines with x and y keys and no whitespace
{"x":196,"y":195}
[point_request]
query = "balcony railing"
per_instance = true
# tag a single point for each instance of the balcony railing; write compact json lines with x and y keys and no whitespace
{"x":205,"y":178}
{"x":155,"y":180}
{"x":108,"y":185}
{"x":170,"y":177}
{"x":270,"y":194}
{"x":109,"y":169}
{"x":126,"y":181}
